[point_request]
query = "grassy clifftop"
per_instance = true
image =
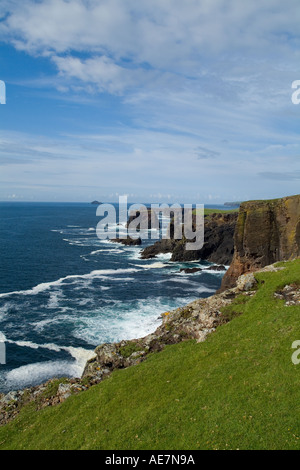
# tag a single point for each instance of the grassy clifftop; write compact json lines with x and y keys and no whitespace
{"x":238,"y":389}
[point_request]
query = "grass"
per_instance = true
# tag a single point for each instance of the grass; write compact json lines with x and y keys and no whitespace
{"x":237,"y":390}
{"x":129,"y":349}
{"x":215,"y":211}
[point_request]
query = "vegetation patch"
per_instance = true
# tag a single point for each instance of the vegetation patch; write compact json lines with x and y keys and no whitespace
{"x":130,"y":348}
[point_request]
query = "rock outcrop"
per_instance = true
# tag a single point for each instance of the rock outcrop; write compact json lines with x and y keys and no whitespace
{"x":146,"y":219}
{"x":266,"y":232}
{"x":128,"y":241}
{"x":218,"y":242}
{"x":290,"y":294}
{"x":208,"y":268}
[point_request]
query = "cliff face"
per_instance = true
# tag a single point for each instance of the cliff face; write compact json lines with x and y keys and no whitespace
{"x":218,"y":242}
{"x":146,"y":218}
{"x":266,"y":232}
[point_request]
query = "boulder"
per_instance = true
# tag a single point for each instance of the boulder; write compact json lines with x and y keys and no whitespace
{"x":128,"y":241}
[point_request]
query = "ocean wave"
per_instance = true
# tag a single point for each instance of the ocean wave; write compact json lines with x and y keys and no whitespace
{"x":213,"y":271}
{"x":126,"y":320}
{"x":164,"y":256}
{"x":38,"y":372}
{"x":99,"y":274}
{"x":202,"y":290}
{"x":157,"y":265}
{"x":181,"y":279}
{"x":103,"y":250}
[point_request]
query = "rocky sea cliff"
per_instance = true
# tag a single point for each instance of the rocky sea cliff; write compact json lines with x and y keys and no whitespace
{"x":266,"y":232}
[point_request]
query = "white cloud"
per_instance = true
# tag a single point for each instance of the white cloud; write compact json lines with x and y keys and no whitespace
{"x":102,"y":72}
{"x":154,"y":31}
{"x":128,"y":40}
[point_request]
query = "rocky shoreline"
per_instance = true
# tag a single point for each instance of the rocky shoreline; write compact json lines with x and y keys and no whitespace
{"x":194,"y":321}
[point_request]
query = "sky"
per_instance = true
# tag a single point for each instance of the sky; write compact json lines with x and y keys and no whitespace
{"x":161,"y":100}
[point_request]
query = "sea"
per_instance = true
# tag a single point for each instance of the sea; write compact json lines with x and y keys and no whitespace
{"x":63,"y":291}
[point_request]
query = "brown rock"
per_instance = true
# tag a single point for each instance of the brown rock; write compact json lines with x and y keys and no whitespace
{"x":128,"y":241}
{"x":266,"y":232}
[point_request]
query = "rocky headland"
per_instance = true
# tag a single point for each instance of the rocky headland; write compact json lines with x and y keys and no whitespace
{"x":218,"y":242}
{"x":266,"y":232}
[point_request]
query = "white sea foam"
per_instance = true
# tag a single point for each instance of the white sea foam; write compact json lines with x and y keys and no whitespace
{"x":134,"y":253}
{"x":39,"y":372}
{"x":106,"y":241}
{"x":100,"y":274}
{"x":55,"y":297}
{"x":73,"y":242}
{"x":157,"y":265}
{"x":40,"y":325}
{"x":181,"y":279}
{"x":164,"y":256}
{"x":4,"y":310}
{"x":34,"y":374}
{"x":202,"y":290}
{"x":124,"y":321}
{"x":30,"y":344}
{"x":213,"y":271}
{"x":113,"y":250}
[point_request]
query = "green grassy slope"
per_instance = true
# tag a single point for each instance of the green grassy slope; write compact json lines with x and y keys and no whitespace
{"x":216,"y":211}
{"x":238,"y":389}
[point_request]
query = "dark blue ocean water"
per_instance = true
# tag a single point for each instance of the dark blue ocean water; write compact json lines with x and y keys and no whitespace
{"x":63,"y":291}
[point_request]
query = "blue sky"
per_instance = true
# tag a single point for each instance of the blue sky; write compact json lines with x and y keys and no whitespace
{"x":162,"y":100}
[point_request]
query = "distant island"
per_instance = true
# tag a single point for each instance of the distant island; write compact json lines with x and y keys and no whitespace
{"x":96,"y":202}
{"x":233,"y":204}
